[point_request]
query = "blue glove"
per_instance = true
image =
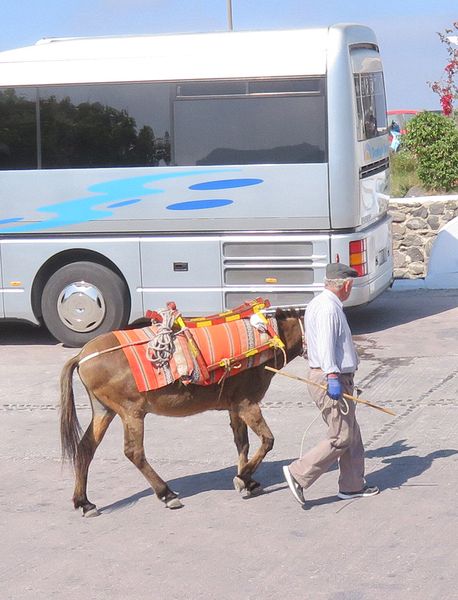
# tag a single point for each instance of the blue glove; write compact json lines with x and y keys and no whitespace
{"x":334,"y":388}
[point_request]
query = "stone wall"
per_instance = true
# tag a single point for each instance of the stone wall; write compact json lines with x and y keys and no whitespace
{"x":416,"y":222}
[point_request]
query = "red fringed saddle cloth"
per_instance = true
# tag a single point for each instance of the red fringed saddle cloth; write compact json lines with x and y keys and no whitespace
{"x":206,"y":349}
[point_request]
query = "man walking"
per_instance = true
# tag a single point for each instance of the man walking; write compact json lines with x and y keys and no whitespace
{"x":332,"y":361}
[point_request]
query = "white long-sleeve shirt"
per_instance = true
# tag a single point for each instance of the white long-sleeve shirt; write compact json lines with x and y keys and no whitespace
{"x":329,"y":343}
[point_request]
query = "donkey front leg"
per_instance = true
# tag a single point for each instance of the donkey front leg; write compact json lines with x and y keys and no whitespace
{"x":241,"y":440}
{"x":135,"y":452}
{"x":240,"y":432}
{"x":251,"y":415}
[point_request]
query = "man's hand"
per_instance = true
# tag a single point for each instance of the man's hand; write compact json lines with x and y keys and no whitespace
{"x":334,"y":387}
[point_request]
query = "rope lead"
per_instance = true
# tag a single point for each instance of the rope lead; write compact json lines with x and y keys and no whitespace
{"x":161,"y":348}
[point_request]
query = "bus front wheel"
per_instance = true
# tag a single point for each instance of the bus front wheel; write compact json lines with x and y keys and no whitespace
{"x":82,"y":300}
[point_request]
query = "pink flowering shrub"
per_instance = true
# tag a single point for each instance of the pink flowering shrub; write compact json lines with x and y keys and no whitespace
{"x":447,"y":87}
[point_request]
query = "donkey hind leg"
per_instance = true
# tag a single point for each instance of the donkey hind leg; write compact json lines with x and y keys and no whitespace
{"x":251,"y":414}
{"x":135,"y":452}
{"x":241,"y":440}
{"x":101,"y":419}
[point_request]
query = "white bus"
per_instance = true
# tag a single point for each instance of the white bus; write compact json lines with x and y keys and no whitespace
{"x":201,"y":168}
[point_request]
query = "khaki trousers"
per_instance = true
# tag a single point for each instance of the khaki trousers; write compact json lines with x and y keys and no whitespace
{"x":343,"y":441}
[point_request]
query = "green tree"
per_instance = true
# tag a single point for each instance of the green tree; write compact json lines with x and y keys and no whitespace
{"x":87,"y":134}
{"x":18,"y":142}
{"x":163,"y":149}
{"x":433,"y":140}
{"x":145,"y":147}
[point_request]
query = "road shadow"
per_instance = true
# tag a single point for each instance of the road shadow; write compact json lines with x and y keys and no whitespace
{"x":398,"y":308}
{"x":398,"y":471}
{"x":269,"y":474}
{"x":20,"y":333}
{"x":394,"y":449}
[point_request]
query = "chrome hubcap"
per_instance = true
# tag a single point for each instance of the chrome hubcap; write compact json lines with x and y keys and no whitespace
{"x":81,"y":306}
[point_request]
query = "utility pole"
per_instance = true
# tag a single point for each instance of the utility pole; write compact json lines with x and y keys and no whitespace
{"x":229,"y":15}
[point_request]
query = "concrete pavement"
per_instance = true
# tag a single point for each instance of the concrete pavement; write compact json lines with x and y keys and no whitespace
{"x":400,"y":544}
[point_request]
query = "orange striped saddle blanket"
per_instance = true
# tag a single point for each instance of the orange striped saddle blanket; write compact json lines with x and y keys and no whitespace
{"x":202,"y":354}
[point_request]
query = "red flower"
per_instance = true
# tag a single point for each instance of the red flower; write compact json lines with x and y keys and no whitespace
{"x":446,"y":103}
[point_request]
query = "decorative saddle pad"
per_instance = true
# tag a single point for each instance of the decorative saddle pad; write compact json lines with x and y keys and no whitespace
{"x":216,"y":344}
{"x":147,"y":377}
{"x":229,"y":340}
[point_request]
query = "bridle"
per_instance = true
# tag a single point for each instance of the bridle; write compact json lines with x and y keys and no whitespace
{"x":304,"y":341}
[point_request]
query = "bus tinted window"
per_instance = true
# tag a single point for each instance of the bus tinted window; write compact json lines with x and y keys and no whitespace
{"x":250,"y":130}
{"x":285,"y":85}
{"x":244,"y":87}
{"x":18,"y":141}
{"x":371,"y":106}
{"x":113,"y":125}
{"x":105,"y":125}
{"x":211,"y":88}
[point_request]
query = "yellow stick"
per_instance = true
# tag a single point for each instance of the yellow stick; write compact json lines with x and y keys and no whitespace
{"x":323,"y":387}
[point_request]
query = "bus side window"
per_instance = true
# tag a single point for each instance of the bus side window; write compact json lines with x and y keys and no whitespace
{"x":370,"y":125}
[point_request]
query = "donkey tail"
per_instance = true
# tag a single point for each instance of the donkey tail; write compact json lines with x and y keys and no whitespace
{"x":70,"y":429}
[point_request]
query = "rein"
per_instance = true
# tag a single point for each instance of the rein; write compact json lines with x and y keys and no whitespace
{"x":304,"y":341}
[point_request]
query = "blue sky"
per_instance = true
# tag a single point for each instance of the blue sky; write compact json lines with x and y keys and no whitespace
{"x":406,"y":29}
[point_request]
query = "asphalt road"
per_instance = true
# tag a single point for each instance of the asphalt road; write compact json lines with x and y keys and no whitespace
{"x":400,"y":544}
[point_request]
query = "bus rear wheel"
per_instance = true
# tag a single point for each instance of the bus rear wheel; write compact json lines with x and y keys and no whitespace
{"x":82,"y":300}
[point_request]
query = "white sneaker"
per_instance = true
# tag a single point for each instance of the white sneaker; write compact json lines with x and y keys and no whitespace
{"x":294,"y":486}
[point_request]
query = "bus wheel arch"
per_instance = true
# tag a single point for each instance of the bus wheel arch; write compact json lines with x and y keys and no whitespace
{"x":79,"y":296}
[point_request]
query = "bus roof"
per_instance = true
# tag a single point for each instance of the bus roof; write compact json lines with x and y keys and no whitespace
{"x":222,"y":55}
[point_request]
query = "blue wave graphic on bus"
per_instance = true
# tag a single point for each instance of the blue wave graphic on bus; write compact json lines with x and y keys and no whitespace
{"x":124,"y":192}
{"x":224,"y":184}
{"x":199,"y":204}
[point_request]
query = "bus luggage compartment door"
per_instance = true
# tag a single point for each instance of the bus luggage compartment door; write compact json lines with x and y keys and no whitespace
{"x":186,"y":270}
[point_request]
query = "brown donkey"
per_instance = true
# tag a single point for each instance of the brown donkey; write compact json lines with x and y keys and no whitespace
{"x":112,"y":391}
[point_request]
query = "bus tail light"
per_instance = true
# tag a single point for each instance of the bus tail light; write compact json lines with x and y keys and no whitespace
{"x":358,"y":256}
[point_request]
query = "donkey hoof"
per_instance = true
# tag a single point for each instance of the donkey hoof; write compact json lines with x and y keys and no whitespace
{"x":92,"y":512}
{"x":174,"y":503}
{"x":239,"y":484}
{"x":253,"y":489}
